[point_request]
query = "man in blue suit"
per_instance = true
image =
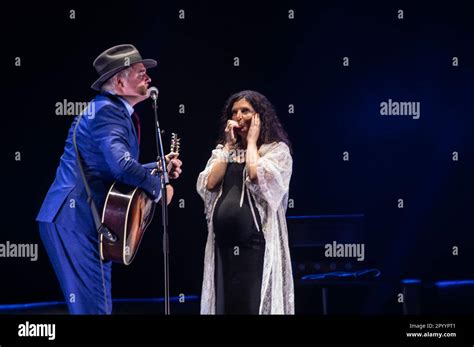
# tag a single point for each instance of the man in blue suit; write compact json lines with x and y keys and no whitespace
{"x":108,"y":141}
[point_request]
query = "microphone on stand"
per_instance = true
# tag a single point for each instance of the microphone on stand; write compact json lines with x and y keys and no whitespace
{"x":153,"y":92}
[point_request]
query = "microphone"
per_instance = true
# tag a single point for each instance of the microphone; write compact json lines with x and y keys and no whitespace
{"x":153,"y":92}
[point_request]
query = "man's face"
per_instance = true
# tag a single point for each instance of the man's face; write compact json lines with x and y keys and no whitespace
{"x":137,"y":82}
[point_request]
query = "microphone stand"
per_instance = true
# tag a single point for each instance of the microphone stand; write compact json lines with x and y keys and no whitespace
{"x":164,"y":206}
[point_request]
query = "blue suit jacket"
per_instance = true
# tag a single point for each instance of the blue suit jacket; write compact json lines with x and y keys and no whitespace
{"x":108,"y":145}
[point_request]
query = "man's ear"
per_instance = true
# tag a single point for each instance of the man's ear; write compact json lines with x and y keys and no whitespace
{"x":120,"y":82}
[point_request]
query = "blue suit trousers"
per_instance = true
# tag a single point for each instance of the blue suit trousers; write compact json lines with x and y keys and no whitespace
{"x":84,"y":279}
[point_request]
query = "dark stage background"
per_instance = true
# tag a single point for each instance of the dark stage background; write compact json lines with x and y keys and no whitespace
{"x":292,"y":61}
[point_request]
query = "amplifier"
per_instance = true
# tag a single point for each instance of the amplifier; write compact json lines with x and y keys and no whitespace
{"x":327,"y":243}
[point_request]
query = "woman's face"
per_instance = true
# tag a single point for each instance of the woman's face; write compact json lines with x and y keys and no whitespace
{"x":242,"y":112}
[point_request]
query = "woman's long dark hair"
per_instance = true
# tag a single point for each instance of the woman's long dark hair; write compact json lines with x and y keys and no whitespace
{"x":271,"y":129}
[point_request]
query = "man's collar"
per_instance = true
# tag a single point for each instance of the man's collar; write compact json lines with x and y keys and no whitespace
{"x":129,"y":108}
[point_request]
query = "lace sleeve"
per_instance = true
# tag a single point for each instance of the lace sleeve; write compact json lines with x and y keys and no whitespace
{"x":208,"y":196}
{"x":274,"y":170}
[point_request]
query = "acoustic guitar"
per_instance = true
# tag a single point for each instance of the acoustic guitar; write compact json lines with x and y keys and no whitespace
{"x":127,"y":212}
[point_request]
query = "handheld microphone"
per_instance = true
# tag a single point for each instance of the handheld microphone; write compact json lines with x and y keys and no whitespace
{"x":153,"y":92}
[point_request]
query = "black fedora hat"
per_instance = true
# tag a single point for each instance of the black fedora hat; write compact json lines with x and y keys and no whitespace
{"x":115,"y":59}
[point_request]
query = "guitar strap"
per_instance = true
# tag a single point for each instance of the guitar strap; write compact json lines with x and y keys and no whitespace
{"x":100,"y":227}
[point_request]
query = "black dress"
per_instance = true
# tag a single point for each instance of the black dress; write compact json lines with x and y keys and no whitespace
{"x":239,"y":250}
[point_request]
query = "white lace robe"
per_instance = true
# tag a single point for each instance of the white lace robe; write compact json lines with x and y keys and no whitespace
{"x":270,"y":194}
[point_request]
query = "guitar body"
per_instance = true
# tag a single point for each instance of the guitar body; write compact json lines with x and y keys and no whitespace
{"x":128,"y":211}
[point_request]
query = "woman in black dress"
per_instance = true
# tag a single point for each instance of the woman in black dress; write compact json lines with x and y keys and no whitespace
{"x":230,"y":188}
{"x":240,"y":247}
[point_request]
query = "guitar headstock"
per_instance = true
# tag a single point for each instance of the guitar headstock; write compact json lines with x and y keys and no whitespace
{"x":175,"y":143}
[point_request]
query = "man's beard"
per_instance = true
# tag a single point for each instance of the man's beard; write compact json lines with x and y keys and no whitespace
{"x":142,"y":90}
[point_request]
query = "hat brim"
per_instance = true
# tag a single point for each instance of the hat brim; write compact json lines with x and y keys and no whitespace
{"x":148,"y":63}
